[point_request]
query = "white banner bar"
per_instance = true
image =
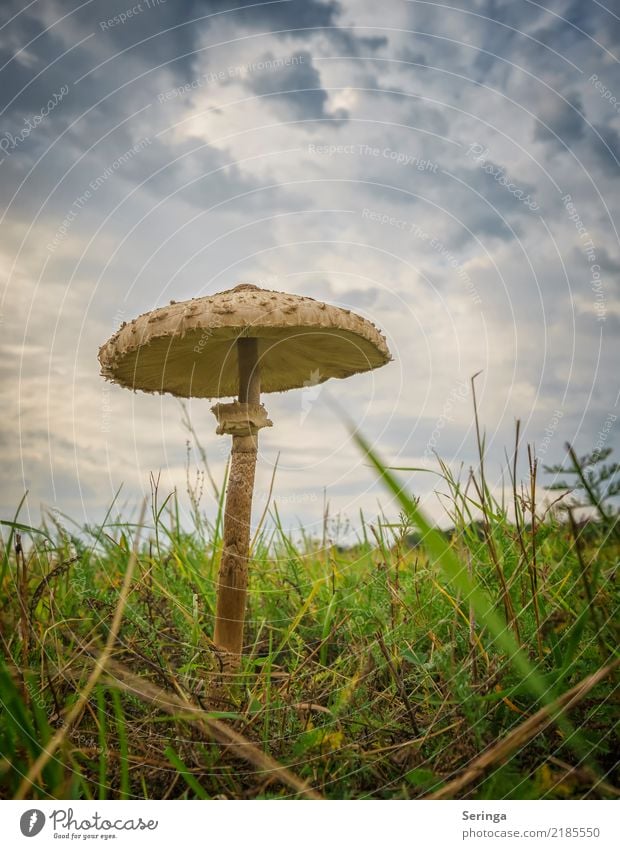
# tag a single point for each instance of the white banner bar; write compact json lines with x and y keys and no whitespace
{"x":311,"y":825}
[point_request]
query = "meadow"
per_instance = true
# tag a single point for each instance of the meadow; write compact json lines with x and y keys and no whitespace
{"x":478,"y":662}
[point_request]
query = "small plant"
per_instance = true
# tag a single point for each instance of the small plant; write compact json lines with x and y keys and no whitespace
{"x":595,"y":480}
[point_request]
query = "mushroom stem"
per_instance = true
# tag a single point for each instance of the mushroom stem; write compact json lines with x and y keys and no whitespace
{"x":233,"y":574}
{"x":249,"y":373}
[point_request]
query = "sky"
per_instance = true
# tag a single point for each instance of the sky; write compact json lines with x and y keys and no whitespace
{"x":450,"y":172}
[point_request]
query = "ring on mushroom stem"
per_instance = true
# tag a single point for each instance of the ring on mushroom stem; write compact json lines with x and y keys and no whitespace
{"x":240,"y":342}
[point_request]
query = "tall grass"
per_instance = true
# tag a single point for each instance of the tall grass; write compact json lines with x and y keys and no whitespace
{"x":384,"y":669}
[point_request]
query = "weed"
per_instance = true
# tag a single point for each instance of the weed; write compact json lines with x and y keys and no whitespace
{"x":414,"y":663}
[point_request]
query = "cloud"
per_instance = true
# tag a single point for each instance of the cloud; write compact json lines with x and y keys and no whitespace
{"x":560,"y":121}
{"x":294,"y":84}
{"x":607,"y":149}
{"x":284,"y":142}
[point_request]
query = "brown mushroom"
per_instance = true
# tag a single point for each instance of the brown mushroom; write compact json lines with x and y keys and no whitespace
{"x":241,"y":342}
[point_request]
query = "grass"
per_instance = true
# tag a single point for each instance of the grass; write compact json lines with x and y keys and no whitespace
{"x":477,"y":664}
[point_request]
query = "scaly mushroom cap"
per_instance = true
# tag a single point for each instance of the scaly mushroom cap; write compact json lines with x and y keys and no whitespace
{"x":188,"y":348}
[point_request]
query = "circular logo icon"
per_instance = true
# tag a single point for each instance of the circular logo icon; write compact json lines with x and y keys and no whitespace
{"x":32,"y":822}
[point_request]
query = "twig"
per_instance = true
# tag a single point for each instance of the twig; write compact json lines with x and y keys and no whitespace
{"x":584,"y":774}
{"x":587,"y":587}
{"x":215,"y":729}
{"x":56,"y":572}
{"x":523,"y":733}
{"x":399,"y":683}
{"x":511,"y":616}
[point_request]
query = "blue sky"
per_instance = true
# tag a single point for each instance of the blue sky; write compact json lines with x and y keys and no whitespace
{"x":450,"y":172}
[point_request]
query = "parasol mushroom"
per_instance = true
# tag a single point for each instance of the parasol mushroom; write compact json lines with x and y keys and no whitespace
{"x":241,"y":342}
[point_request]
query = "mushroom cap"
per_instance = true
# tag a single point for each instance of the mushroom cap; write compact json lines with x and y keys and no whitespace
{"x":189,"y":348}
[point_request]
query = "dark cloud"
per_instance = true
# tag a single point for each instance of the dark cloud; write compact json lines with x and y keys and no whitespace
{"x":609,"y":269}
{"x":586,"y":18}
{"x":372,"y":43}
{"x":560,"y":120}
{"x":559,"y":35}
{"x":127,"y":60}
{"x":153,"y":36}
{"x":609,"y":264}
{"x":483,"y":204}
{"x":296,"y":87}
{"x":416,"y":57}
{"x":291,"y":16}
{"x":607,"y":149}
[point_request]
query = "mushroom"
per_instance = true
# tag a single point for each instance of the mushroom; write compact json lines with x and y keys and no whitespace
{"x":241,"y":342}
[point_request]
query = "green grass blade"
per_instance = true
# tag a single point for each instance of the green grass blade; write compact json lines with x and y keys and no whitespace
{"x":121,"y":730}
{"x":182,"y":769}
{"x":458,"y":577}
